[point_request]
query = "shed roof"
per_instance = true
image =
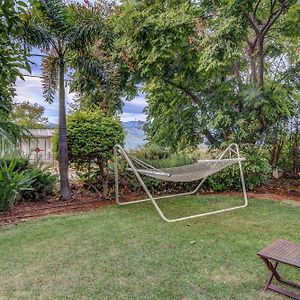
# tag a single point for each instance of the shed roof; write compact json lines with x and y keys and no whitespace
{"x":37,"y":133}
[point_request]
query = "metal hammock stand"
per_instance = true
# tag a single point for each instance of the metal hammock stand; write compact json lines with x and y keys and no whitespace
{"x":200,"y":170}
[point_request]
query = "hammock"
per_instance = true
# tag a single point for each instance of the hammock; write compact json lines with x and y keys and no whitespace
{"x":192,"y":172}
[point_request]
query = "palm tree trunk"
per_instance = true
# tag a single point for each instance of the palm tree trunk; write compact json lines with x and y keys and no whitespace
{"x":62,"y":140}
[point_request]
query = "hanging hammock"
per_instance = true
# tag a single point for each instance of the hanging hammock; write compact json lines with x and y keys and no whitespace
{"x":192,"y":172}
{"x":187,"y":173}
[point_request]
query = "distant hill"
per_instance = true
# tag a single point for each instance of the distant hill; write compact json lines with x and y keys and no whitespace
{"x":52,"y":126}
{"x":135,"y":134}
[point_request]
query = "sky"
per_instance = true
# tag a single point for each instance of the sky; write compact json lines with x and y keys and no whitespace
{"x":31,"y":89}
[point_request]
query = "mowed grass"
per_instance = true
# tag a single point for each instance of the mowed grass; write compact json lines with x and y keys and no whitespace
{"x":130,"y":253}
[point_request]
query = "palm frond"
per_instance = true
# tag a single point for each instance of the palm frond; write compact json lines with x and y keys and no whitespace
{"x":50,"y":77}
{"x":92,"y":67}
{"x":5,"y":107}
{"x":10,"y":135}
{"x":35,"y":34}
{"x":90,"y":27}
{"x":56,"y":14}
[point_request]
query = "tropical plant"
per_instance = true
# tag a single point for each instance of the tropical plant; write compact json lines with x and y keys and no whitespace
{"x":13,"y":59}
{"x":43,"y":185}
{"x":63,"y":32}
{"x":12,"y":182}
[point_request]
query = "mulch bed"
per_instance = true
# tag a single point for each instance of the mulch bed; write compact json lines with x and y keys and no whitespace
{"x":52,"y":206}
{"x":86,"y":201}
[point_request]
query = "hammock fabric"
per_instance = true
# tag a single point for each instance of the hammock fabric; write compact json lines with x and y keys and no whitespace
{"x":187,"y":173}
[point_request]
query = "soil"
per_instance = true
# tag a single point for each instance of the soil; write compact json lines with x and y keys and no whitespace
{"x":82,"y":201}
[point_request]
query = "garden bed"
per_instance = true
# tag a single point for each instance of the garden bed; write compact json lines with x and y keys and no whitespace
{"x":278,"y":190}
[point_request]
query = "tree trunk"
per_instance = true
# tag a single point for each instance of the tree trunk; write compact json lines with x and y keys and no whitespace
{"x":62,"y":140}
{"x":104,"y":179}
{"x":276,"y":152}
{"x":296,"y":155}
{"x":261,"y":62}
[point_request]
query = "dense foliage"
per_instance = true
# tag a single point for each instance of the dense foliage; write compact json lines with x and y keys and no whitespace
{"x":12,"y":182}
{"x":30,"y":115}
{"x":224,"y":70}
{"x":256,"y":169}
{"x":91,"y":137}
{"x":21,"y":180}
{"x":12,"y":60}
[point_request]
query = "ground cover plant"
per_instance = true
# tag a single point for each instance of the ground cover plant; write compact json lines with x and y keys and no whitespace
{"x":129,"y":253}
{"x":12,"y":182}
{"x":25,"y":181}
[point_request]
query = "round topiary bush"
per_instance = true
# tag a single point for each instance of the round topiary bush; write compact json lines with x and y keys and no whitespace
{"x":91,"y":136}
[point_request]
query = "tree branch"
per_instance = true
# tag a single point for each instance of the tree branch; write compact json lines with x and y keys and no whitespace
{"x":254,"y":23}
{"x":256,"y":7}
{"x":212,"y":140}
{"x":273,"y":17}
{"x":237,"y":73}
{"x":194,"y":97}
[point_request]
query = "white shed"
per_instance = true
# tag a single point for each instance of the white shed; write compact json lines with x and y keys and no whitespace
{"x":39,"y":146}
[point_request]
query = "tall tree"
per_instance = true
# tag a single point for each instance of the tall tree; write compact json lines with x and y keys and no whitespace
{"x":216,"y":63}
{"x":62,"y":32}
{"x":12,"y":59}
{"x":30,"y":115}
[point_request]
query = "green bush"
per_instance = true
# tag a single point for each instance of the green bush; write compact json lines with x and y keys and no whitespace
{"x":256,"y":169}
{"x":20,"y":163}
{"x":12,"y":182}
{"x":43,"y":185}
{"x":92,"y":135}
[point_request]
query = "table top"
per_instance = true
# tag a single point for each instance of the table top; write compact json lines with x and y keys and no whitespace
{"x":282,"y":251}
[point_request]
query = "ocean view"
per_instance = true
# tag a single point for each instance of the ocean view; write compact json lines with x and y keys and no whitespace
{"x":135,"y":134}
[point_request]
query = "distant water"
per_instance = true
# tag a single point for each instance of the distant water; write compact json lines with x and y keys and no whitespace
{"x":135,"y":134}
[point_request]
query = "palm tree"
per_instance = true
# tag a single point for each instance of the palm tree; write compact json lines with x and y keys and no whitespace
{"x":63,"y":32}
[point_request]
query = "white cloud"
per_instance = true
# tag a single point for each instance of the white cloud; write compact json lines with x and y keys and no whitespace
{"x":31,"y":90}
{"x":125,"y":117}
{"x":139,"y":100}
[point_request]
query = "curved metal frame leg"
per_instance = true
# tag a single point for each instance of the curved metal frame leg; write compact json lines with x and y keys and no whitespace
{"x":229,"y":150}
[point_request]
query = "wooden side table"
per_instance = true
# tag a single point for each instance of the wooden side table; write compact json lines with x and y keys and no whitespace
{"x":281,"y":251}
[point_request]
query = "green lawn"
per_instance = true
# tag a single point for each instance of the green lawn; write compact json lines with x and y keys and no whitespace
{"x":130,"y":253}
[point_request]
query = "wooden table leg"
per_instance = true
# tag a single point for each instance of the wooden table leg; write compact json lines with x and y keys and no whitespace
{"x":272,"y":268}
{"x":271,"y":275}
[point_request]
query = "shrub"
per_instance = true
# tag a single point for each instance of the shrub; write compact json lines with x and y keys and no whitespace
{"x":12,"y":182}
{"x":256,"y":169}
{"x":20,"y":163}
{"x":43,"y":185}
{"x":91,"y":137}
